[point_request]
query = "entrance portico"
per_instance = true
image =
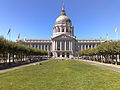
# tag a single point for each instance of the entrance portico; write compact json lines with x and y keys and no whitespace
{"x":63,"y":46}
{"x":62,"y":54}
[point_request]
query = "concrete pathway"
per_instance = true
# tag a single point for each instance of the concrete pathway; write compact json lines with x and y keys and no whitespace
{"x":17,"y":67}
{"x":103,"y":65}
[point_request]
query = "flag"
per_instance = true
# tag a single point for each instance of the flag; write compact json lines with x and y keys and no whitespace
{"x":107,"y":35}
{"x":19,"y":36}
{"x":100,"y":37}
{"x":9,"y":31}
{"x":116,"y":29}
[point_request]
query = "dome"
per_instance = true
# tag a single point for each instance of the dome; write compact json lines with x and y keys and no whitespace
{"x":63,"y":18}
{"x":63,"y":25}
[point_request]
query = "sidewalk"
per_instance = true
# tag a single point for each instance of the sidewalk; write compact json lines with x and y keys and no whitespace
{"x":18,"y":67}
{"x":103,"y":65}
{"x":14,"y":68}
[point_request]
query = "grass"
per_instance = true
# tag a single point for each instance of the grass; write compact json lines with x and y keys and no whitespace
{"x":61,"y":75}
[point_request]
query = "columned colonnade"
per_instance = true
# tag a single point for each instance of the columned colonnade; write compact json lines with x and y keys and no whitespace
{"x":44,"y":46}
{"x":62,"y":48}
{"x":62,"y":45}
{"x":86,"y":46}
{"x":57,"y":45}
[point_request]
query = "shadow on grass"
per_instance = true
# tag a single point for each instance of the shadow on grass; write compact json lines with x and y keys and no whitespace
{"x":13,"y":64}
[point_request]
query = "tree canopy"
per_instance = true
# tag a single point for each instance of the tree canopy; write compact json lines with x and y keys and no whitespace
{"x":107,"y":50}
{"x":15,"y":49}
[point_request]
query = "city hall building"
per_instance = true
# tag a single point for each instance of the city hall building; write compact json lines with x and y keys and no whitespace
{"x":63,"y":43}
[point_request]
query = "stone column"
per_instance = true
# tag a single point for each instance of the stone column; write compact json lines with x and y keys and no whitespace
{"x":84,"y":47}
{"x":56,"y":45}
{"x":65,"y":45}
{"x":44,"y":47}
{"x":60,"y":54}
{"x":40,"y":46}
{"x":81,"y":47}
{"x":47,"y":47}
{"x":50,"y":47}
{"x":60,"y":45}
{"x":60,"y":29}
{"x":91,"y":46}
{"x":96,"y":45}
{"x":53,"y":45}
{"x":65,"y":55}
{"x":69,"y":45}
{"x":65,"y":28}
{"x":88,"y":46}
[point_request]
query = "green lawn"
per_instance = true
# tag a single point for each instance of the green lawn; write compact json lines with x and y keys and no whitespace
{"x":61,"y":75}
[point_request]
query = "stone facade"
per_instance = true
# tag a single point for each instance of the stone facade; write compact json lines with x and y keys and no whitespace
{"x":63,"y":43}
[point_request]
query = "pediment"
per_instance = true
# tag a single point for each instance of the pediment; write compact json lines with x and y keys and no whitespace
{"x":64,"y":37}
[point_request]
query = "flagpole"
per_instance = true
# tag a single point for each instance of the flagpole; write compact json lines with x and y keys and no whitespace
{"x":106,"y":35}
{"x":116,"y":33}
{"x":18,"y":36}
{"x":25,"y":40}
{"x":116,"y":36}
{"x":10,"y":36}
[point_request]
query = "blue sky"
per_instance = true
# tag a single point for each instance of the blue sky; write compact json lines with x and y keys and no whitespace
{"x":34,"y":19}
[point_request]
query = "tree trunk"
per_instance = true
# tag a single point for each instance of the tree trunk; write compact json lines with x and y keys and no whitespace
{"x":9,"y":55}
{"x":116,"y":59}
{"x":13,"y":58}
